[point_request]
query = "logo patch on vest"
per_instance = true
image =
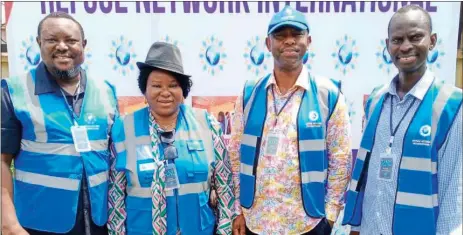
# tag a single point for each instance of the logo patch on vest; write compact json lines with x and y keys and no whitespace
{"x":90,"y":120}
{"x":425,"y":131}
{"x":313,"y":117}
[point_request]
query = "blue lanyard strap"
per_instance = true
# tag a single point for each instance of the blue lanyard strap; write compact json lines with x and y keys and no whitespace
{"x":392,"y":130}
{"x":74,"y":101}
{"x":277,"y":113}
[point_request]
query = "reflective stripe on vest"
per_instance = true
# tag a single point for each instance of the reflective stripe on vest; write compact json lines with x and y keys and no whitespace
{"x":192,"y":134}
{"x":60,"y":148}
{"x":48,"y":170}
{"x":58,"y":182}
{"x":192,"y":188}
{"x":416,"y":206}
{"x":320,"y":99}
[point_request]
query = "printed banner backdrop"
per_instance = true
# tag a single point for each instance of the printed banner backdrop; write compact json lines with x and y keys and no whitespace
{"x":223,"y":43}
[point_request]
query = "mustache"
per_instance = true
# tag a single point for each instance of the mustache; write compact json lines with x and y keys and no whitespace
{"x":66,"y":75}
{"x":290,"y":49}
{"x":55,"y":55}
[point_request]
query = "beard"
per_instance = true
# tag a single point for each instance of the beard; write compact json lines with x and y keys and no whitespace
{"x":66,"y":75}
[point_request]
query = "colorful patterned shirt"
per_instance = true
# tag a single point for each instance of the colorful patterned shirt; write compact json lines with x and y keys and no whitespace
{"x":278,"y":207}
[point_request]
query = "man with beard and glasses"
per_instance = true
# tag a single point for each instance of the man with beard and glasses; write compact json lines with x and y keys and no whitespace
{"x":56,"y":124}
{"x":290,"y":142}
{"x":407,"y":177}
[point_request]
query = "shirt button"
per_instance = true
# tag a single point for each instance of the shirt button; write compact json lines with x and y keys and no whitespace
{"x":378,"y":214}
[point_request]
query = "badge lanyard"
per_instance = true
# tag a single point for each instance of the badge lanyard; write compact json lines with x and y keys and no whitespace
{"x":277,"y":113}
{"x":74,"y":101}
{"x":393,"y":131}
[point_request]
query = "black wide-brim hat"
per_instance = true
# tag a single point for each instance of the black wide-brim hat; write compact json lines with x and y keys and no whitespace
{"x":164,"y":56}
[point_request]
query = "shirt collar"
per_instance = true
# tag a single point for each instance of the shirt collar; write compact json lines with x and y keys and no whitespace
{"x":420,"y":88}
{"x":301,"y":81}
{"x":44,"y":82}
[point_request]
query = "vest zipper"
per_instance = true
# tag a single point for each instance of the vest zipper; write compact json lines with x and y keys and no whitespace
{"x":86,"y":203}
{"x":176,"y":208}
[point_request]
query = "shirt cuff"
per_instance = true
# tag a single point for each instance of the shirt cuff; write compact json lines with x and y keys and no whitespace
{"x":332,"y":211}
{"x":355,"y":228}
{"x":238,"y":210}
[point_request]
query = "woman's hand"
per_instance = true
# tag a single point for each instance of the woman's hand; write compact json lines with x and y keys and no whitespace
{"x":213,"y":199}
{"x":239,"y":225}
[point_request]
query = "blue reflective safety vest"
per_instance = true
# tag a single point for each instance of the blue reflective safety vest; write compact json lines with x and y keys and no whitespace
{"x":416,"y":204}
{"x":316,"y":107}
{"x":187,"y":207}
{"x":48,"y":169}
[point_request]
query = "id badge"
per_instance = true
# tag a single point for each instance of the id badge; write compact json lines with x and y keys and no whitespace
{"x":80,"y":137}
{"x":171,"y":177}
{"x":386,"y":166}
{"x":273,"y":141}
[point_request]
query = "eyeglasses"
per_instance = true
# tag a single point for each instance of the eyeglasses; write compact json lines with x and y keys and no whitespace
{"x":170,"y":152}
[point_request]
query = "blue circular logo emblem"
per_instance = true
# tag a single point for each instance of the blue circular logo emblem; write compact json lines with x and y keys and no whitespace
{"x":383,"y":58}
{"x":432,"y":56}
{"x":30,"y":53}
{"x":257,"y":55}
{"x":345,"y":54}
{"x":305,"y":58}
{"x":434,"y":60}
{"x":425,"y":130}
{"x":33,"y":55}
{"x":90,"y":119}
{"x":386,"y":57}
{"x":122,"y":55}
{"x":212,"y":55}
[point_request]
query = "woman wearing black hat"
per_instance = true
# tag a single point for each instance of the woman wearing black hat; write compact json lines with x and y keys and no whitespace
{"x":171,"y":163}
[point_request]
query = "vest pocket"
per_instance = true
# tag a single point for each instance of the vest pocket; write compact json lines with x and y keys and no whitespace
{"x":145,"y":171}
{"x":138,"y":215}
{"x":206,"y":215}
{"x":200,"y":168}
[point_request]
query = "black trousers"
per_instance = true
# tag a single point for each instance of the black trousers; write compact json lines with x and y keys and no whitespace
{"x":322,"y":228}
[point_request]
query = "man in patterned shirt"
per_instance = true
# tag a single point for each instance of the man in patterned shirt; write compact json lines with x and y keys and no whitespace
{"x":408,"y":174}
{"x":290,"y":142}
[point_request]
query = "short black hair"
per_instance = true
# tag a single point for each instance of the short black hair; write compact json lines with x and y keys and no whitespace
{"x":62,"y":15}
{"x":412,"y":7}
{"x":185,"y":82}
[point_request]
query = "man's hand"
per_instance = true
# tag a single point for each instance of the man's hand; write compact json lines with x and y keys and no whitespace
{"x":16,"y":230}
{"x":10,"y":224}
{"x":239,"y":225}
